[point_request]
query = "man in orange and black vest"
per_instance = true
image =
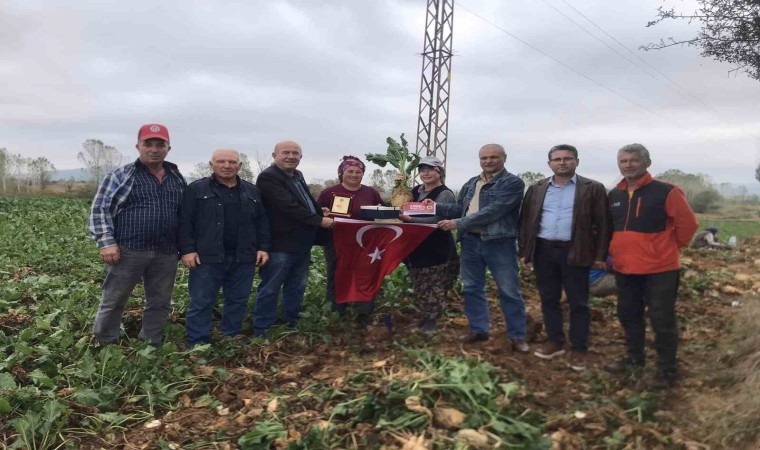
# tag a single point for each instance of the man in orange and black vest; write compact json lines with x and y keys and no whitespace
{"x":652,"y":222}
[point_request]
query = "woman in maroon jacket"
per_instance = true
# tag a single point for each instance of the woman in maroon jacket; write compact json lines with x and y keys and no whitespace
{"x":350,"y":174}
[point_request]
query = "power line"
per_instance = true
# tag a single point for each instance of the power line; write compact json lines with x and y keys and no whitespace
{"x":595,"y":37}
{"x":684,"y":90}
{"x":570,"y":68}
{"x":689,"y":94}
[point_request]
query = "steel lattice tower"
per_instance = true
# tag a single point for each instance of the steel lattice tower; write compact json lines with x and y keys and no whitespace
{"x":433,"y":121}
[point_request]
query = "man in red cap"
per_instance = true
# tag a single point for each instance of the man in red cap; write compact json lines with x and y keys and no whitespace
{"x":134,"y":221}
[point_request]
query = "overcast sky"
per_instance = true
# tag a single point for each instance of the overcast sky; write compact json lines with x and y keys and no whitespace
{"x":340,"y":76}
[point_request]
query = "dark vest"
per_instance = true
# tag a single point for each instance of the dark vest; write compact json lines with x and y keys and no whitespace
{"x":439,"y":247}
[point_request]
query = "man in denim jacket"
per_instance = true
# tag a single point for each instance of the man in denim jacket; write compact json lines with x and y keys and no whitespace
{"x":486,"y":215}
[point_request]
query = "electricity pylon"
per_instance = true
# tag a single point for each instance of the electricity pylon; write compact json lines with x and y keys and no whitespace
{"x":433,"y":121}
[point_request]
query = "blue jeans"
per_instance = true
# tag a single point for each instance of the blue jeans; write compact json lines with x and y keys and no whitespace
{"x":286,"y":271}
{"x":236,"y":282}
{"x":500,"y":257}
{"x":157,"y":271}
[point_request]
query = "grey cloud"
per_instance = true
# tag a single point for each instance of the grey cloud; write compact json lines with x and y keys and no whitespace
{"x":340,"y":77}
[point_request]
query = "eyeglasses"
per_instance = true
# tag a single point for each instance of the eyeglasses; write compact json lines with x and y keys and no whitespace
{"x":557,"y":160}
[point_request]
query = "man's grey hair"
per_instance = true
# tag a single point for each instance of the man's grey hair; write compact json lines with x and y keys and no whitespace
{"x":637,"y":148}
{"x":496,"y":146}
{"x":219,"y":150}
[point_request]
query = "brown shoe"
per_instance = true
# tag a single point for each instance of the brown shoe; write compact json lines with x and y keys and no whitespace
{"x":550,"y":350}
{"x":473,"y":337}
{"x":624,"y":365}
{"x":661,"y":382}
{"x":578,"y":361}
{"x":519,"y":345}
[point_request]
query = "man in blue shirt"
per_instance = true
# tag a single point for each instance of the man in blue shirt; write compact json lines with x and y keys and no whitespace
{"x":486,"y":215}
{"x":564,"y":230}
{"x":134,"y":221}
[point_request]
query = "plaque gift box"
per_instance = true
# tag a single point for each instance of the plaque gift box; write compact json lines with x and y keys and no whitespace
{"x":380,"y":212}
{"x":418,"y":209}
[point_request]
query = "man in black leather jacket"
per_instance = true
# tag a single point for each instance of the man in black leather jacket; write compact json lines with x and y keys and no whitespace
{"x":296,"y":221}
{"x":224,"y":235}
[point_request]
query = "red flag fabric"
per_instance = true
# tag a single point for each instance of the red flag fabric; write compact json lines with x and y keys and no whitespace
{"x":368,"y":251}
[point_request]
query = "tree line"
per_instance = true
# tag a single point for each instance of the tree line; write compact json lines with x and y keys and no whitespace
{"x":702,"y":194}
{"x":23,"y":174}
{"x":19,"y":174}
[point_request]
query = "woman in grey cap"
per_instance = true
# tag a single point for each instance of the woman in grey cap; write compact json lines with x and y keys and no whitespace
{"x":434,"y":265}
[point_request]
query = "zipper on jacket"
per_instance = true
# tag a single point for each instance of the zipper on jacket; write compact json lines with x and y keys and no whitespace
{"x":628,"y":214}
{"x":638,"y":206}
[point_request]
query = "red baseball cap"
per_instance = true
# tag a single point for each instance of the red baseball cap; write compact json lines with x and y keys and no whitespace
{"x":153,"y":131}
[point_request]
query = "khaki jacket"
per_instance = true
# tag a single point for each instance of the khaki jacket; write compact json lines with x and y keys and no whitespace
{"x":592,"y":223}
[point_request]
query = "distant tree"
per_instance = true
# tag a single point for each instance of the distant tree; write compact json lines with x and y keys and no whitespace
{"x":730,"y":32}
{"x":729,"y":190}
{"x":18,"y":169}
{"x":390,"y":180}
{"x":201,"y":170}
{"x":3,"y":168}
{"x":690,"y":183}
{"x":99,"y":159}
{"x":317,"y":185}
{"x":70,"y":184}
{"x":698,"y":188}
{"x":261,"y":162}
{"x":706,"y":201}
{"x":40,"y":172}
{"x":377,"y":180}
{"x":531,"y":177}
{"x":245,"y":169}
{"x":757,"y":173}
{"x":314,"y":189}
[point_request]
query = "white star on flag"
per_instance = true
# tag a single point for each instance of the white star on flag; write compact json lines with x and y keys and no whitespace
{"x":376,"y":255}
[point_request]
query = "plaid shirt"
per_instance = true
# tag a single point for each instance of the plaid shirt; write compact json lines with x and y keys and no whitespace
{"x":112,"y":197}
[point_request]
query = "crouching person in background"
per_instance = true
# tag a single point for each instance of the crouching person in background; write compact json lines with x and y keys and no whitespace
{"x":224,"y":235}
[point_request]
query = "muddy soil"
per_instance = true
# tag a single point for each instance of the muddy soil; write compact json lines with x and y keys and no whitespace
{"x":582,"y":409}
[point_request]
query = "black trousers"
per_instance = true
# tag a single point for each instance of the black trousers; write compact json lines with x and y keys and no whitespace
{"x":553,"y":274}
{"x":654,"y":294}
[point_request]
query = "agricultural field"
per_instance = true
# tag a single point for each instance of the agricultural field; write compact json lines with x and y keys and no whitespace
{"x":330,"y":385}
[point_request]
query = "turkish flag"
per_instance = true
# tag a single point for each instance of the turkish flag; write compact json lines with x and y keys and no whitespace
{"x":368,"y":251}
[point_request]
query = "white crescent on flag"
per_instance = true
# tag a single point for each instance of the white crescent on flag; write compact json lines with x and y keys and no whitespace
{"x":364,"y":260}
{"x":366,"y":228}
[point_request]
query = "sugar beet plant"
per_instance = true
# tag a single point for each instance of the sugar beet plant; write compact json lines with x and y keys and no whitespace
{"x":59,"y":390}
{"x":55,"y":385}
